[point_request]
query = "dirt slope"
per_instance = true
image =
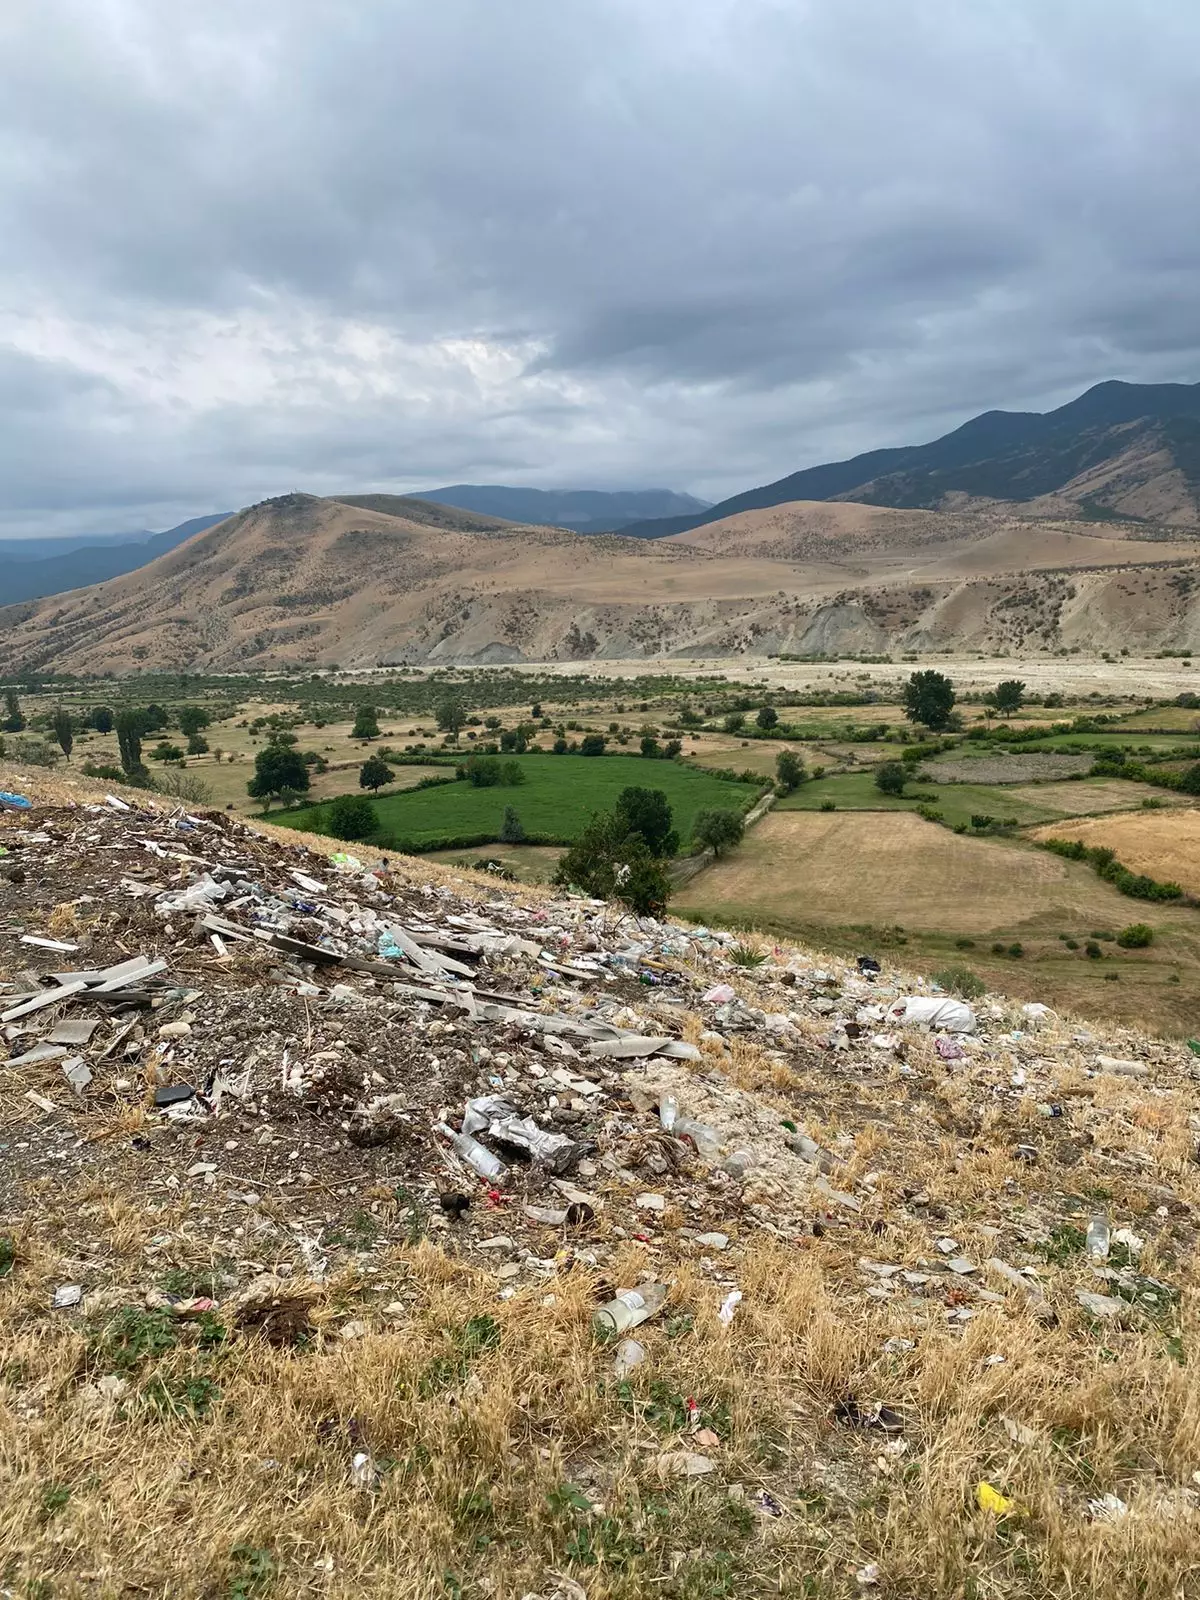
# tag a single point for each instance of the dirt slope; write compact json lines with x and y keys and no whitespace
{"x":303,"y":581}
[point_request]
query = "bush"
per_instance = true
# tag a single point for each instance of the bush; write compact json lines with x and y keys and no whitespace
{"x":352,"y":816}
{"x":512,"y":830}
{"x":1092,"y":950}
{"x":1016,"y":950}
{"x":961,"y":981}
{"x":890,"y":778}
{"x":181,"y":785}
{"x":789,"y":771}
{"x":32,"y":752}
{"x":1136,"y":936}
{"x":374,"y":773}
{"x":828,"y":805}
{"x":593,"y":744}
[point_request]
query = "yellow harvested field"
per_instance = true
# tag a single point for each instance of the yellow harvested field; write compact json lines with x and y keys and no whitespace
{"x":1163,"y":844}
{"x":847,"y":868}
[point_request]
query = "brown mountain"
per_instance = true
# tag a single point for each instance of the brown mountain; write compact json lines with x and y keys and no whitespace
{"x":304,"y":582}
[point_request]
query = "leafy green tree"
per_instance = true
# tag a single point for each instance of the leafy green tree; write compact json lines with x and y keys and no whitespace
{"x":890,"y":777}
{"x":1009,"y":696}
{"x":650,"y":747}
{"x":719,"y":830}
{"x":374,"y":773}
{"x":789,"y":770}
{"x":535,"y":711}
{"x":767,"y":718}
{"x":366,"y":724}
{"x":193,"y":720}
{"x":14,"y":717}
{"x":156,"y":717}
{"x":689,"y":718}
{"x":101,"y":718}
{"x":276,"y":769}
{"x":647,"y":812}
{"x":559,"y":747}
{"x":929,"y":698}
{"x":611,"y":863}
{"x":352,"y":816}
{"x":512,"y":830}
{"x":734,"y":722}
{"x":593,"y":745}
{"x":166,"y":751}
{"x":197,"y":744}
{"x":64,"y":730}
{"x":672,"y":748}
{"x":452,"y":716}
{"x":512,"y":773}
{"x":131,"y":726}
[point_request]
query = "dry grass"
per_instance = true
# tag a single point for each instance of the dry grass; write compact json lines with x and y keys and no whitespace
{"x":868,"y":868}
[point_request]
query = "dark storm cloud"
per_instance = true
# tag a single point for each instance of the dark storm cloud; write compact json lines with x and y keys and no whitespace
{"x":703,"y":242}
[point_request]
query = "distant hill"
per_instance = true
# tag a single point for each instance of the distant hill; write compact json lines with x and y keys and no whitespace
{"x":1123,"y":451}
{"x":581,"y":510}
{"x":65,"y":564}
{"x":303,"y":583}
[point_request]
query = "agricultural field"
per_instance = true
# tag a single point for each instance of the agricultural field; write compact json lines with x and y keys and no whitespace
{"x":557,"y":798}
{"x":860,"y":881}
{"x":1163,"y":844}
{"x":830,"y":862}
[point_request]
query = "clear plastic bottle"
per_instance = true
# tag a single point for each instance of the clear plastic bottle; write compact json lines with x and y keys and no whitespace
{"x":630,"y":1308}
{"x":477,"y":1156}
{"x":1098,"y":1236}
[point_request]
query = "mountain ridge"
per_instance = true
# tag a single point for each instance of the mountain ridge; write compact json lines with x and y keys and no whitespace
{"x":1015,"y":457}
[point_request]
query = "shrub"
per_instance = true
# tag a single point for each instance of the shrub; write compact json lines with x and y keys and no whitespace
{"x":964,"y":944}
{"x":1092,"y":950}
{"x":961,"y":981}
{"x":1071,"y":944}
{"x":593,"y":744}
{"x":1136,"y":936}
{"x":181,"y":785}
{"x":1016,"y":950}
{"x":512,"y":830}
{"x":828,"y":805}
{"x":352,"y":816}
{"x":891,"y":777}
{"x":32,"y":752}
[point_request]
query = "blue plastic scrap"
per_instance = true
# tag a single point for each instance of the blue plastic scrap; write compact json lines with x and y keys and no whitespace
{"x":17,"y":802}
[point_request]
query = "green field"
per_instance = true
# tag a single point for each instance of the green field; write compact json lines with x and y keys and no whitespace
{"x":559,"y":795}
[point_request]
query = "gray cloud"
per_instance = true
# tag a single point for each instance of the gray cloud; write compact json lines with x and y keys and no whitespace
{"x":698,"y":242}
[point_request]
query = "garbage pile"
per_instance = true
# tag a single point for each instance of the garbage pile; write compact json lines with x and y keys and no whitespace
{"x":330,"y":1053}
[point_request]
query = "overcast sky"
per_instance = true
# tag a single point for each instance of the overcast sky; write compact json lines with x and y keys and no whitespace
{"x":249,"y":247}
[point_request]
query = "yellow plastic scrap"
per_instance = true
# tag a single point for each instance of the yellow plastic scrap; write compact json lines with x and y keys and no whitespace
{"x":990,"y":1499}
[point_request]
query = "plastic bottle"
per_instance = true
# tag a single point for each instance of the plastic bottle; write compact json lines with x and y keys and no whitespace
{"x":706,"y":1139}
{"x":477,"y":1156}
{"x":1097,"y":1236}
{"x":630,"y":1308}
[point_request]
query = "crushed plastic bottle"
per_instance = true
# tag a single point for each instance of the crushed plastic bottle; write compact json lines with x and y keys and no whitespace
{"x":630,"y":1308}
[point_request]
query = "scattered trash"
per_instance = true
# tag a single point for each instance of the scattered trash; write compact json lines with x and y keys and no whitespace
{"x":951,"y":1016}
{"x":990,"y":1499}
{"x":684,"y":1464}
{"x":1108,"y":1508}
{"x":868,"y":1576}
{"x":729,"y":1306}
{"x":66,"y":1296}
